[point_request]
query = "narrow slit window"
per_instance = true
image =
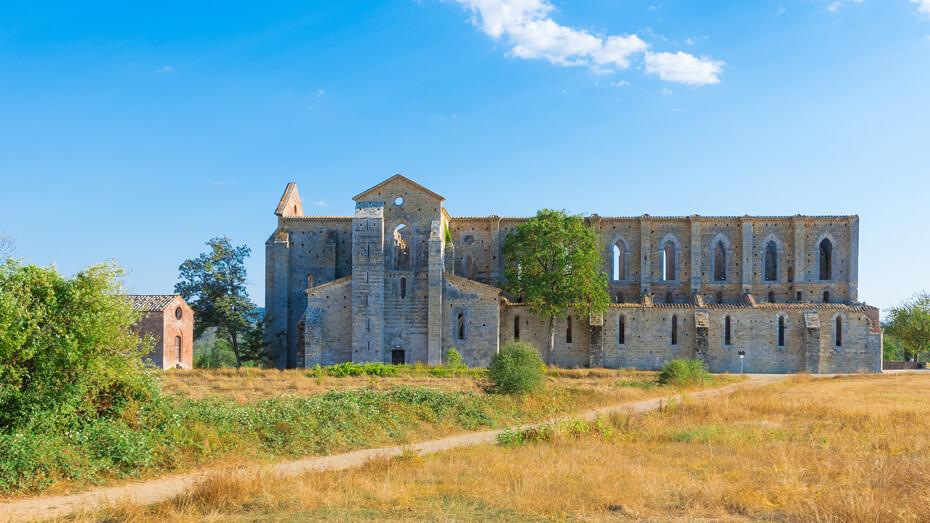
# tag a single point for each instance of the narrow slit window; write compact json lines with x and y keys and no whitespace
{"x":568,"y":330}
{"x":727,"y":331}
{"x":403,"y":288}
{"x":839,"y":332}
{"x":461,"y":327}
{"x":516,"y":328}
{"x":621,"y":330}
{"x":781,"y":331}
{"x":674,"y":330}
{"x":177,"y":349}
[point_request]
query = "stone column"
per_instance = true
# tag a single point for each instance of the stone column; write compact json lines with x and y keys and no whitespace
{"x":747,"y":246}
{"x":313,"y":337}
{"x":434,"y":311}
{"x":854,"y":259}
{"x":812,"y":342}
{"x":645,"y":257}
{"x":494,"y":250}
{"x":696,"y":255}
{"x":701,"y":327}
{"x":368,"y":282}
{"x":800,"y":266}
{"x":277,"y":261}
{"x":596,"y":353}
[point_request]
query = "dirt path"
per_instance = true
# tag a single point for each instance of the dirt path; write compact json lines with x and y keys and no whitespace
{"x":162,"y":489}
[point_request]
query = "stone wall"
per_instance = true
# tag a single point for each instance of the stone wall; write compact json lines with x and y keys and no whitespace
{"x":328,"y":324}
{"x":480,"y":309}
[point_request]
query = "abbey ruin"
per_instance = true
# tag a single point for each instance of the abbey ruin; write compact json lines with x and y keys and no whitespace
{"x":403,"y":280}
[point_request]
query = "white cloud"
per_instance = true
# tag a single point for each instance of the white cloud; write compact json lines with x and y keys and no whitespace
{"x":620,"y":83}
{"x":837,"y":4}
{"x":527,"y":27}
{"x":167,"y":69}
{"x":684,"y":68}
{"x":923,"y":6}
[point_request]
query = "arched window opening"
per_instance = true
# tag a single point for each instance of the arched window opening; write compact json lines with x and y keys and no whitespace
{"x":177,"y":349}
{"x":826,"y":257}
{"x":771,"y":296}
{"x":826,"y":296}
{"x":403,"y":288}
{"x":516,"y":328}
{"x":461,"y":327}
{"x":668,"y":262}
{"x":309,"y":281}
{"x":402,"y":244}
{"x":621,"y":330}
{"x":720,"y":262}
{"x":669,"y":298}
{"x":568,"y":330}
{"x":674,"y":330}
{"x":727,"y":332}
{"x":619,"y":262}
{"x":839,"y":331}
{"x":771,"y":261}
{"x":781,"y":331}
{"x":719,"y":297}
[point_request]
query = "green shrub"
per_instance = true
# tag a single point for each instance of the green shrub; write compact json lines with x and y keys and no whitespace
{"x":349,"y":369}
{"x":516,"y":369}
{"x":454,"y":360}
{"x":684,"y":373}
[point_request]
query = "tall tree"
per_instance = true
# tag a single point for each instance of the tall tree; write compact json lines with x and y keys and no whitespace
{"x":553,"y":262}
{"x":909,"y":324}
{"x":214,"y":286}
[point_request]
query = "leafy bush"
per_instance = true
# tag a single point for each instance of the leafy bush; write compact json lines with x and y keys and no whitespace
{"x":349,"y":368}
{"x":516,"y":369}
{"x":684,"y":372}
{"x":454,"y":360}
{"x":67,"y":350}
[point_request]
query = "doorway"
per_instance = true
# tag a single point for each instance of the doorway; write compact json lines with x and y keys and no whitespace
{"x":398,"y":357}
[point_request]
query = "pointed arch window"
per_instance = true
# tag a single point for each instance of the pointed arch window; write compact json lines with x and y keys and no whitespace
{"x":403,"y":288}
{"x":177,"y":349}
{"x":674,"y":330}
{"x":403,"y":241}
{"x":568,"y":330}
{"x":619,"y":261}
{"x":720,"y":262}
{"x":309,"y":281}
{"x":516,"y":328}
{"x":621,"y":330}
{"x":771,"y":261}
{"x":826,"y":259}
{"x":781,"y":331}
{"x":460,"y":327}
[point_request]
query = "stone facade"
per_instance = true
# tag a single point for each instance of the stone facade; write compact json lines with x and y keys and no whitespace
{"x":402,"y":280}
{"x":170,"y":321}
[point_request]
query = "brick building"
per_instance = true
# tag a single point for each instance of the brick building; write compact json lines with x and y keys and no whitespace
{"x":403,"y":280}
{"x":170,"y":320}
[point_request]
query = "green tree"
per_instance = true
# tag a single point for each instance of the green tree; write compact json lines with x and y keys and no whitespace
{"x":7,"y":247}
{"x":67,"y":349}
{"x":517,"y":369}
{"x":553,"y":262}
{"x":214,"y":286}
{"x":909,"y":325}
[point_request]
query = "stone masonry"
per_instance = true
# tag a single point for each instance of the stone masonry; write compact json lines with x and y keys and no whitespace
{"x":402,"y":281}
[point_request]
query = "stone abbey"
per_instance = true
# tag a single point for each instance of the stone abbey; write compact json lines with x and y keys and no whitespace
{"x":402,"y":281}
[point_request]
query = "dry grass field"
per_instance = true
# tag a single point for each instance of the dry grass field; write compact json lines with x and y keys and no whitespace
{"x":826,"y":449}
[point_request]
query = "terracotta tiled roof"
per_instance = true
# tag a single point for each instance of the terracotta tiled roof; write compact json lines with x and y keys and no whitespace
{"x":150,"y":302}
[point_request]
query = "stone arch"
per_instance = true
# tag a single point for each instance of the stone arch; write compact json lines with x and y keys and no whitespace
{"x":763,"y":255}
{"x":719,"y":239}
{"x":619,"y":254}
{"x":402,"y":242}
{"x":668,"y":257}
{"x":833,"y":269}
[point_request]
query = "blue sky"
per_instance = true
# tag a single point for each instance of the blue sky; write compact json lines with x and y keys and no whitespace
{"x":136,"y":132}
